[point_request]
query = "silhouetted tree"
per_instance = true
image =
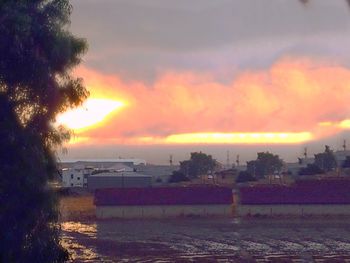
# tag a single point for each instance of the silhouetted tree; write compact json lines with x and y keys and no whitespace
{"x":37,"y":54}
{"x":253,"y":167}
{"x":326,"y":160}
{"x":265,"y":164}
{"x":199,"y":164}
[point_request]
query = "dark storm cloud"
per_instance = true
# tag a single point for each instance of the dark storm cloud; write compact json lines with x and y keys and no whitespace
{"x":137,"y":39}
{"x":191,"y":25}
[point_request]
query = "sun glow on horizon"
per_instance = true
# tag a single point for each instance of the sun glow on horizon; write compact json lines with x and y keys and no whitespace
{"x":210,"y":138}
{"x":240,"y":138}
{"x":345,"y":124}
{"x":92,"y":112}
{"x":220,"y":138}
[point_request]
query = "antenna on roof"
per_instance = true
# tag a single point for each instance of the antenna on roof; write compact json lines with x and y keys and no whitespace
{"x":344,"y":145}
{"x":171,"y":160}
{"x":237,"y":160}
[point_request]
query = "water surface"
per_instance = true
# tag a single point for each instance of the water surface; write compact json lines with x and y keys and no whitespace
{"x":198,"y":240}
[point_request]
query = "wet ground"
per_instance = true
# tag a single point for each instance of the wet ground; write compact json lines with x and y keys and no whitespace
{"x":209,"y":240}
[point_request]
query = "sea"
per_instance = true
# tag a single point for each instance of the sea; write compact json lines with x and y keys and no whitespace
{"x":208,"y":240}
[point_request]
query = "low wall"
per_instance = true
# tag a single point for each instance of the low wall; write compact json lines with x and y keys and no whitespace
{"x":162,"y":211}
{"x":77,"y":207}
{"x":297,"y":210}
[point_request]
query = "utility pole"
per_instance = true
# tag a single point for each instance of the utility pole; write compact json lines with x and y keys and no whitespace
{"x":305,"y":152}
{"x":227,"y":159}
{"x":171,"y":160}
{"x":305,"y":156}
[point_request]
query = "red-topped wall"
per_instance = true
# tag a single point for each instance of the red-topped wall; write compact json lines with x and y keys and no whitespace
{"x":163,"y":196}
{"x":322,"y":191}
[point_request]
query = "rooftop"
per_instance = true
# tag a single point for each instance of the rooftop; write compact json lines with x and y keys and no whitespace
{"x":116,"y":160}
{"x":119,"y":174}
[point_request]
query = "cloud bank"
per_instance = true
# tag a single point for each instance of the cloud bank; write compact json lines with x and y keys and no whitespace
{"x":294,"y":95}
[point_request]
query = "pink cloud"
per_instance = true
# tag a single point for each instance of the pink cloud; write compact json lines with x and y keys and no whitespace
{"x":293,"y":95}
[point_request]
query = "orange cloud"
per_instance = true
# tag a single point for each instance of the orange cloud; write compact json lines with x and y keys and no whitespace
{"x":294,"y":96}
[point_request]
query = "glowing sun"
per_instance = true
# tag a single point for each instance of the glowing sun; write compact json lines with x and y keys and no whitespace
{"x":92,"y":112}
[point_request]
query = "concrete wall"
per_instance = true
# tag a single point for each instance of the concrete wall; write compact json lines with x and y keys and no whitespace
{"x":299,"y":210}
{"x":162,"y":211}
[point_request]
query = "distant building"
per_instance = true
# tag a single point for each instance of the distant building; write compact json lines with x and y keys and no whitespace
{"x":293,"y":168}
{"x":240,"y":167}
{"x":121,"y":167}
{"x":101,"y":163}
{"x":76,"y":177}
{"x":160,"y":173}
{"x":328,"y":196}
{"x":340,"y":156}
{"x":118,"y":180}
{"x":306,"y":160}
{"x":226,"y":177}
{"x":163,"y":202}
{"x":75,"y":173}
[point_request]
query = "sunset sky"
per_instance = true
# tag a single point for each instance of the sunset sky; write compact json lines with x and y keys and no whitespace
{"x":170,"y":77}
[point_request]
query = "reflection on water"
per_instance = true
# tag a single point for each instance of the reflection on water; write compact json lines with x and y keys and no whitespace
{"x":209,"y":239}
{"x":73,"y":235}
{"x":78,"y":251}
{"x":88,"y":229}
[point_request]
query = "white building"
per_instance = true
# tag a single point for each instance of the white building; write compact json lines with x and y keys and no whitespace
{"x":76,"y":177}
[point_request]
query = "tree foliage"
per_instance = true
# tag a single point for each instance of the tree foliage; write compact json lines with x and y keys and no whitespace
{"x":199,"y":164}
{"x":37,"y":54}
{"x":265,"y":164}
{"x":326,"y":160}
